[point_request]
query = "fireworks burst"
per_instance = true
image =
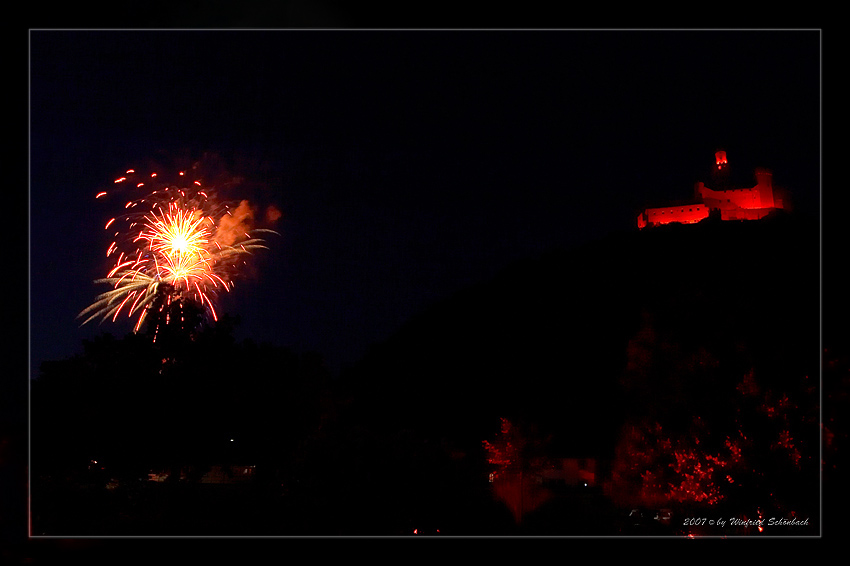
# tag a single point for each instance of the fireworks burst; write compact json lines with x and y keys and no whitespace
{"x":176,"y":243}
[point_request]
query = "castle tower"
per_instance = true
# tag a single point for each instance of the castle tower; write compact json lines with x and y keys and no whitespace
{"x":764,"y":186}
{"x":720,"y":172}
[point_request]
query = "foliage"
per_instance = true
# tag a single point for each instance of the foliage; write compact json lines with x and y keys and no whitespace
{"x":517,"y":454}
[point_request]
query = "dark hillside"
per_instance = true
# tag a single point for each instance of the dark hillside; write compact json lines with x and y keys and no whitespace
{"x":640,"y":348}
{"x":547,"y":339}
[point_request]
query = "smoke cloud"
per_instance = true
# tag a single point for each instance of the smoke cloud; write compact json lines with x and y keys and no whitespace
{"x":234,"y":226}
{"x":273,"y":214}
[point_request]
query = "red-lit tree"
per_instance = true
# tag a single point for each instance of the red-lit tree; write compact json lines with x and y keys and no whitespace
{"x":516,"y":454}
{"x":504,"y":452}
{"x":654,"y":468}
{"x":709,"y":427}
{"x":764,"y":454}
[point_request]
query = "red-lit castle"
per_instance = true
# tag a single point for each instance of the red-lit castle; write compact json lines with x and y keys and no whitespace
{"x":732,"y":203}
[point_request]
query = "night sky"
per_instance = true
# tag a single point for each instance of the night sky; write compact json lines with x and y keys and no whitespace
{"x":408,"y":165}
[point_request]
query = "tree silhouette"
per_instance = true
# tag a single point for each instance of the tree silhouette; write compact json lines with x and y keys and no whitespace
{"x":135,"y":406}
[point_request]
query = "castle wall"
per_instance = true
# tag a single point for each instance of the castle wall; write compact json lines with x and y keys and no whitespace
{"x":744,"y":213}
{"x":685,"y":214}
{"x":732,"y":199}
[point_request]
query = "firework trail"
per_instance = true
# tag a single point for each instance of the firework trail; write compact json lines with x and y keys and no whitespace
{"x":174,"y":243}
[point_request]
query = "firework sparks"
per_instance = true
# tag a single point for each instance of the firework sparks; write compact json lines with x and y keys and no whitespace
{"x":176,"y":241}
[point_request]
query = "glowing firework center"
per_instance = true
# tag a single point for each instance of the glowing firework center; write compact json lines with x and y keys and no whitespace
{"x":177,"y":241}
